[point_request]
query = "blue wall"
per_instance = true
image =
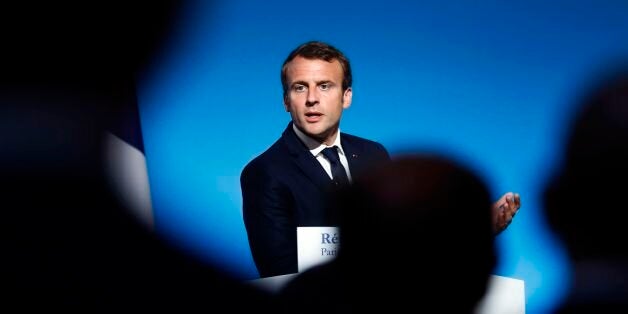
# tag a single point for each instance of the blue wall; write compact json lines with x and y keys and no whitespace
{"x":489,"y":82}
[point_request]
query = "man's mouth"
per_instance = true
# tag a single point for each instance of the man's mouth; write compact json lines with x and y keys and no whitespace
{"x":313,"y":116}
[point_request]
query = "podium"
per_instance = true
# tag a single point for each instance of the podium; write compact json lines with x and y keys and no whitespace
{"x":316,"y":245}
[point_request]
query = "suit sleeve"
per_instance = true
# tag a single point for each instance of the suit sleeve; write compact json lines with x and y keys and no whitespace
{"x":269,"y":220}
{"x":383,"y":155}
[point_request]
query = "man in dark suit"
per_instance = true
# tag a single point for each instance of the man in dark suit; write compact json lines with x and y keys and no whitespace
{"x":288,"y":185}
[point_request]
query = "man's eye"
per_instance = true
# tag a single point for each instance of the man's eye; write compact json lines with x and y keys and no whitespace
{"x":325,"y":86}
{"x":299,"y":88}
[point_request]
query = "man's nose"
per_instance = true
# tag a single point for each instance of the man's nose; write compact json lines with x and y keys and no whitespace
{"x":312,"y":97}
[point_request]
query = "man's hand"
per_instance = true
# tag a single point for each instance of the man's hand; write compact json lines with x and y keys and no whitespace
{"x":504,"y":211}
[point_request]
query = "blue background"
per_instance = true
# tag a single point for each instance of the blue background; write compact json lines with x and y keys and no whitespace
{"x":488,"y":82}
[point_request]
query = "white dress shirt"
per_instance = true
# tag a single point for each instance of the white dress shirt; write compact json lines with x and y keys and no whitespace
{"x":316,"y":148}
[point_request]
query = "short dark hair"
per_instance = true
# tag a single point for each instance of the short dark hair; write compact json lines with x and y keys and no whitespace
{"x":314,"y":50}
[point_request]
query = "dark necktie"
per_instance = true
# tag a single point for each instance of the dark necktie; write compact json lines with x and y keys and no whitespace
{"x":338,"y":172}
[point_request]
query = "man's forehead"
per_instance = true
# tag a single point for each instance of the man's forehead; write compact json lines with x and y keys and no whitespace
{"x":301,"y":68}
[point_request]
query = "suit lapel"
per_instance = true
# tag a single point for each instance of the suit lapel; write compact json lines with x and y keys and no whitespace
{"x":353,"y":154}
{"x":304,"y":159}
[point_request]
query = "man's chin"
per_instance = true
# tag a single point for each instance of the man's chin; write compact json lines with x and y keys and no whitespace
{"x":314,"y":133}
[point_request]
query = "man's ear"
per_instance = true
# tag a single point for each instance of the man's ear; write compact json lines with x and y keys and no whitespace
{"x":286,"y":103}
{"x":346,"y":98}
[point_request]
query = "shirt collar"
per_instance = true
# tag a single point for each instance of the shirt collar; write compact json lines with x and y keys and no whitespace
{"x":313,"y":145}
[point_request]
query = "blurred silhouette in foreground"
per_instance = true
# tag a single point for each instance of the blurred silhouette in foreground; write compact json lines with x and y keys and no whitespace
{"x":68,"y":244}
{"x":583,"y":201}
{"x":415,"y":234}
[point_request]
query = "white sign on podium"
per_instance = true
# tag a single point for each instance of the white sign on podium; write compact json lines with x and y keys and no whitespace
{"x":316,"y":245}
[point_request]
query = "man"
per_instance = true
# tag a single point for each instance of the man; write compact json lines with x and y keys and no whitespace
{"x":576,"y":202}
{"x":69,"y":244}
{"x":288,"y":185}
{"x":405,"y":200}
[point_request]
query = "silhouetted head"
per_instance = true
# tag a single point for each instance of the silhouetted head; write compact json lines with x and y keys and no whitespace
{"x":68,"y":243}
{"x":421,"y":219}
{"x":585,"y":197}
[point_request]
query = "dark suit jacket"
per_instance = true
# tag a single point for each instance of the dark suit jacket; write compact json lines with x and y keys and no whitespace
{"x":285,"y":188}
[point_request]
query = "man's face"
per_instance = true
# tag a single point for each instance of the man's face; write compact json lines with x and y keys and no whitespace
{"x":315,"y":98}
